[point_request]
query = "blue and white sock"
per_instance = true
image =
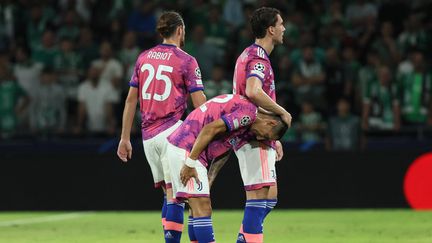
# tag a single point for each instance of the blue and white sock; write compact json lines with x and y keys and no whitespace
{"x":251,"y":229}
{"x":203,"y":228}
{"x":271,"y":203}
{"x":191,"y":231}
{"x":174,"y":222}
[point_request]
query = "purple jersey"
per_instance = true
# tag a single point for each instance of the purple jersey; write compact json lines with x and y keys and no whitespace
{"x":236,"y":111}
{"x":164,"y":75}
{"x":254,"y":61}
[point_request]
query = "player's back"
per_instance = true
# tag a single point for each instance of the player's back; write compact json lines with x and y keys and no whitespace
{"x":235,"y":110}
{"x":253,"y":62}
{"x":165,"y":75}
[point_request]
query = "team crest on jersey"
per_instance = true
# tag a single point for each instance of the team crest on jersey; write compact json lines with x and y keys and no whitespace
{"x":197,"y":72}
{"x":259,"y":67}
{"x":245,"y":121}
{"x":234,"y":141}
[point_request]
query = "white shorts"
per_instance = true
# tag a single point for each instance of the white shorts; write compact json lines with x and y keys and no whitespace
{"x":257,"y":165}
{"x":177,"y":157}
{"x":155,"y":150}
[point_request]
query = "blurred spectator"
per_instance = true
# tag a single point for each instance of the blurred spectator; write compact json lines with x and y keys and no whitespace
{"x":8,"y":23}
{"x":128,"y":54}
{"x":416,"y":87}
{"x":13,"y":102}
{"x":385,"y":46}
{"x":310,"y":125}
{"x":217,"y":84}
{"x":359,"y":13}
{"x":233,"y":13}
{"x":308,"y":79}
{"x":367,"y":73}
{"x":413,"y":35}
{"x":351,"y":67}
{"x":96,"y":100}
{"x":143,"y":22}
{"x":333,"y":14}
{"x":87,"y":48}
{"x":381,"y":107}
{"x":216,"y":29}
{"x":48,"y":108}
{"x":206,"y":54}
{"x":37,"y":23}
{"x":112,"y":70}
{"x":26,"y":70}
{"x":344,"y":131}
{"x":67,"y":64}
{"x":47,"y":51}
{"x":69,"y":28}
{"x":337,"y":85}
{"x":84,"y":9}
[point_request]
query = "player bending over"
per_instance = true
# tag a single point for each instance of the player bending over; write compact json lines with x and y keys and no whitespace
{"x":210,"y":131}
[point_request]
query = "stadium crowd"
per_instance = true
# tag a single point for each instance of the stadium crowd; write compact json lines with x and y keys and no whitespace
{"x":346,"y":68}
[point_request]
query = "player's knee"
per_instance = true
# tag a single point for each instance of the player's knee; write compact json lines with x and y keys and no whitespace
{"x":261,"y":193}
{"x":203,"y":208}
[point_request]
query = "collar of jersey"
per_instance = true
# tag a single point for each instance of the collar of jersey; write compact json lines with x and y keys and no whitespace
{"x":255,"y":44}
{"x":165,"y":44}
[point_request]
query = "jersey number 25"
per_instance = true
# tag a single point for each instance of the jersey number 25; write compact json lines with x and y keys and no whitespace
{"x":160,"y":77}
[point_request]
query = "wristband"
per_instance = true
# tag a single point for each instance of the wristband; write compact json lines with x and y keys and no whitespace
{"x":190,"y":162}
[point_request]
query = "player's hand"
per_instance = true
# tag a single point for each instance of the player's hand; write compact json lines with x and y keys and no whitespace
{"x":286,"y":117}
{"x":186,"y":173}
{"x":124,"y":150}
{"x":279,"y":150}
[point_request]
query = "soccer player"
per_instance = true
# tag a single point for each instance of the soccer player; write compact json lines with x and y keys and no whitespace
{"x":208,"y":133}
{"x":254,"y":78}
{"x":164,"y":75}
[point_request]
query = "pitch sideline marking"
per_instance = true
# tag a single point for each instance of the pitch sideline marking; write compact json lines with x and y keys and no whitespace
{"x":44,"y":219}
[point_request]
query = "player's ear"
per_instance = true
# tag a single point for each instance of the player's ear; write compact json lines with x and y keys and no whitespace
{"x":271,"y":30}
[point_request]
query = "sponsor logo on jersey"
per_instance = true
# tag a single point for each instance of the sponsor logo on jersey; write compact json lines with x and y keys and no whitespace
{"x":245,"y":121}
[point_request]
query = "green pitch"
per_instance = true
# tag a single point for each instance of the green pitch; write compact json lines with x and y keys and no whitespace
{"x":320,"y":226}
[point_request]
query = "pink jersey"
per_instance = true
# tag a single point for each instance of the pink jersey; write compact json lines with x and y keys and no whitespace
{"x":254,"y":61}
{"x":236,"y":111}
{"x":164,"y":75}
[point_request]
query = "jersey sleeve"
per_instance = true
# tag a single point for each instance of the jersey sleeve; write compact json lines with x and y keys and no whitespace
{"x":135,"y":75}
{"x":192,"y":76}
{"x":258,"y":67}
{"x":242,"y":116}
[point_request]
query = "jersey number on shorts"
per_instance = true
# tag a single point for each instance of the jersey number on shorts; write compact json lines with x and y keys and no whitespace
{"x":203,"y":107}
{"x":159,"y":76}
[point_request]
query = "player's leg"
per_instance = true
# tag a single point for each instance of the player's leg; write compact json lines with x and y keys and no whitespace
{"x":191,"y":232}
{"x":153,"y":159}
{"x":175,"y":209}
{"x":254,"y":161}
{"x":202,"y":221}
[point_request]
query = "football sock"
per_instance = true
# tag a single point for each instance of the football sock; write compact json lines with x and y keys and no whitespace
{"x":191,"y":231}
{"x":271,"y":203}
{"x":203,"y":228}
{"x":251,"y":229}
{"x":164,"y":210}
{"x":174,"y":222}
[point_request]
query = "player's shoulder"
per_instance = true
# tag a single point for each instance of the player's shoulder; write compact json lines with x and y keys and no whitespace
{"x":255,"y":51}
{"x":183,"y":55}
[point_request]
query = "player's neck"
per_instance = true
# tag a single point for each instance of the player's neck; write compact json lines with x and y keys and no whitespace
{"x":171,"y":42}
{"x":265,"y":43}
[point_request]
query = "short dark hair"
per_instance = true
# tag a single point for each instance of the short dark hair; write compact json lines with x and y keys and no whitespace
{"x":280,"y":128}
{"x":261,"y":19}
{"x":168,"y":23}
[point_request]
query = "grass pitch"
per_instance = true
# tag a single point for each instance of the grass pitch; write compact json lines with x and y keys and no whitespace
{"x":320,"y":226}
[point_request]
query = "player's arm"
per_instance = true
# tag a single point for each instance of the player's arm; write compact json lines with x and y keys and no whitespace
{"x":124,"y":151}
{"x":198,"y":98}
{"x":206,"y":135}
{"x":257,"y":95}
